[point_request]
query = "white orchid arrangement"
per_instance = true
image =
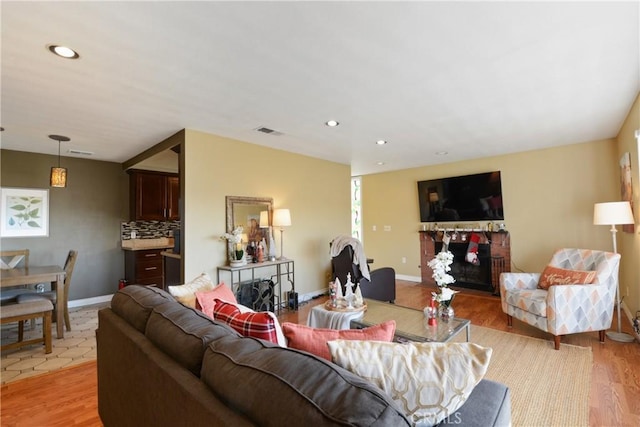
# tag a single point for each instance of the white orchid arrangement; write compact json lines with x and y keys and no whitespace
{"x":441,"y":265}
{"x":445,"y":296}
{"x":234,"y":241}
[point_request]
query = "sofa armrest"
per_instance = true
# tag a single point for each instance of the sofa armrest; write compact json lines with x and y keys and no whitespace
{"x":579,"y":308}
{"x":488,"y":405}
{"x":510,"y":281}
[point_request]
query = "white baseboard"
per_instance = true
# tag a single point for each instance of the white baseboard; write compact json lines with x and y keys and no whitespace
{"x":310,"y":295}
{"x":90,"y":301}
{"x":416,"y":279}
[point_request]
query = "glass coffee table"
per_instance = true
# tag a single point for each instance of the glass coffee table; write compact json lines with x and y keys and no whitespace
{"x":411,"y":324}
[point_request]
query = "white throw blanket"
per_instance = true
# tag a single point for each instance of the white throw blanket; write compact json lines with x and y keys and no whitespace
{"x":359,"y":258}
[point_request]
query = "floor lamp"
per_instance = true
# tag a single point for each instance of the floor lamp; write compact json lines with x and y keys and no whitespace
{"x":614,"y":213}
{"x":281,"y":218}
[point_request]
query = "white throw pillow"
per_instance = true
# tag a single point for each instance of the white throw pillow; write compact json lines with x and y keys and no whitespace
{"x":430,"y":381}
{"x":186,"y":293}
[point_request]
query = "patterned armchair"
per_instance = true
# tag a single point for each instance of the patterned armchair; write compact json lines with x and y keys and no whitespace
{"x":565,"y":309}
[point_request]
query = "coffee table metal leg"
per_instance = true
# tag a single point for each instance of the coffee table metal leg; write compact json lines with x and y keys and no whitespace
{"x":469,"y":332}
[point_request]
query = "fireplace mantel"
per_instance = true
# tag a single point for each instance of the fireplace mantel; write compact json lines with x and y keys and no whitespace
{"x":499,"y":250}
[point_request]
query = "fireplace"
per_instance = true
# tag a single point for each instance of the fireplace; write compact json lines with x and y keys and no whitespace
{"x":494,"y":253}
{"x":468,"y":275}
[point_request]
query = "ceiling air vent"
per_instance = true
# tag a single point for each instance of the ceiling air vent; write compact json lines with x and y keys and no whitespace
{"x":268,"y":131}
{"x":80,"y":152}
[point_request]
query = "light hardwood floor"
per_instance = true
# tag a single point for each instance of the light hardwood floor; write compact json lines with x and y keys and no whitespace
{"x":71,"y":398}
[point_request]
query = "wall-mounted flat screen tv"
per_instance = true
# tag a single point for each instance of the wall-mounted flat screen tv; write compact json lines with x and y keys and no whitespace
{"x":475,"y":197}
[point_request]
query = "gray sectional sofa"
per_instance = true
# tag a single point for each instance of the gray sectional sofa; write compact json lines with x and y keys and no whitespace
{"x":161,"y":363}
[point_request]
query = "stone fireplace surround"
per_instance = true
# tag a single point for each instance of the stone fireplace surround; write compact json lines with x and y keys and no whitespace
{"x":494,"y":253}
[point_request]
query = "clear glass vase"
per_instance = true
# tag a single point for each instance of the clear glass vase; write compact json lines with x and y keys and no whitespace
{"x":445,"y":313}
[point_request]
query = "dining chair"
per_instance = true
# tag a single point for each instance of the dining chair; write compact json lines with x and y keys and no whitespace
{"x":14,"y":258}
{"x":10,"y":260}
{"x":51,"y":295}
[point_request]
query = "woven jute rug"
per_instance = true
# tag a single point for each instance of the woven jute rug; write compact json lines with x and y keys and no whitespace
{"x":548,"y":387}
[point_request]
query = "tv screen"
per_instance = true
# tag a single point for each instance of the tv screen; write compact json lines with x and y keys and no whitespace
{"x":475,"y":197}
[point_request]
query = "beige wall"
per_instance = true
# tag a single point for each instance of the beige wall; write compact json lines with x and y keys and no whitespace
{"x":315,"y":191}
{"x":629,"y":243}
{"x":548,"y":202}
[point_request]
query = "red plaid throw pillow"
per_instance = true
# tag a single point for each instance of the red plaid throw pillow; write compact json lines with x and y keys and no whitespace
{"x":257,"y":325}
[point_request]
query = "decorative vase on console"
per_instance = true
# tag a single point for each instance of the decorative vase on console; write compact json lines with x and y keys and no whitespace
{"x":441,"y":265}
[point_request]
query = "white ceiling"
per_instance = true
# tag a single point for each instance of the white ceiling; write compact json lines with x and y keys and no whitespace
{"x":474,"y":79}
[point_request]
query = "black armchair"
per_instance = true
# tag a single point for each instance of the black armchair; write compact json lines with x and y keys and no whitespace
{"x":382,"y":286}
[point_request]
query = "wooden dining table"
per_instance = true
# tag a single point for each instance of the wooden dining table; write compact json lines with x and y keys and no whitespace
{"x":39,"y":274}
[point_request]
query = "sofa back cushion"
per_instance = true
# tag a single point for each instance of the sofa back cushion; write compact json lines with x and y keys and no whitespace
{"x":135,"y":303}
{"x":184,"y":333}
{"x":313,"y":391}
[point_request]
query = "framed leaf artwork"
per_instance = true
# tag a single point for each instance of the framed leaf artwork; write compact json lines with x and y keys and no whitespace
{"x":24,"y":212}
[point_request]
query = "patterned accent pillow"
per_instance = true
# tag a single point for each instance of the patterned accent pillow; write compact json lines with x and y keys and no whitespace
{"x":314,"y":340}
{"x":559,"y":276}
{"x":205,"y":300}
{"x":186,"y":293}
{"x":430,"y":381}
{"x":257,"y":325}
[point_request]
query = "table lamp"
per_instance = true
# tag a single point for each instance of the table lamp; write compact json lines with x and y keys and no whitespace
{"x":281,"y":218}
{"x":614,"y":213}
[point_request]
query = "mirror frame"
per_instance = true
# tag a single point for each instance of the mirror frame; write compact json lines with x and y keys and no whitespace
{"x":233,"y":200}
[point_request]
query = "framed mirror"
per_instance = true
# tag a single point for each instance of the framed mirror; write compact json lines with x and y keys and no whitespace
{"x":245,"y":211}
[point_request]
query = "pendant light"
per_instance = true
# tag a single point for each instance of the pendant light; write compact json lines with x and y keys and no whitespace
{"x":58,"y":174}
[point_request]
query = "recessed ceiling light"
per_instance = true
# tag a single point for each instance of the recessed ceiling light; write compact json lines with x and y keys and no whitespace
{"x":64,"y":51}
{"x":332,"y":123}
{"x":381,"y":142}
{"x":380,"y":163}
{"x":441,"y":153}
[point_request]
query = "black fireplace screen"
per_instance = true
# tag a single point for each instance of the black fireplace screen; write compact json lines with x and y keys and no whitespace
{"x":257,"y":295}
{"x":468,"y":275}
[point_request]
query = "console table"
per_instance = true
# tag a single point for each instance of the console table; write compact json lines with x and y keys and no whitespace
{"x":284,"y":270}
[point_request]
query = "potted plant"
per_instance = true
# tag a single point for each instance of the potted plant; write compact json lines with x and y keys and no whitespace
{"x":441,"y":265}
{"x":235,"y":249}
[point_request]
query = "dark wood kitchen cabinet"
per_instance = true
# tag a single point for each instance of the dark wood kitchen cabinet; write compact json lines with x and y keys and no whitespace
{"x":144,"y":267}
{"x":154,"y":196}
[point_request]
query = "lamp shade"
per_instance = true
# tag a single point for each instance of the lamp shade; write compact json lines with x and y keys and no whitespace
{"x":58,"y":177}
{"x":612,"y":213}
{"x":264,"y":219}
{"x":281,"y":218}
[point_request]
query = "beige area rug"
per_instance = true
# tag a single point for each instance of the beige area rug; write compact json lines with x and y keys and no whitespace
{"x":548,"y":387}
{"x":77,"y":346}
